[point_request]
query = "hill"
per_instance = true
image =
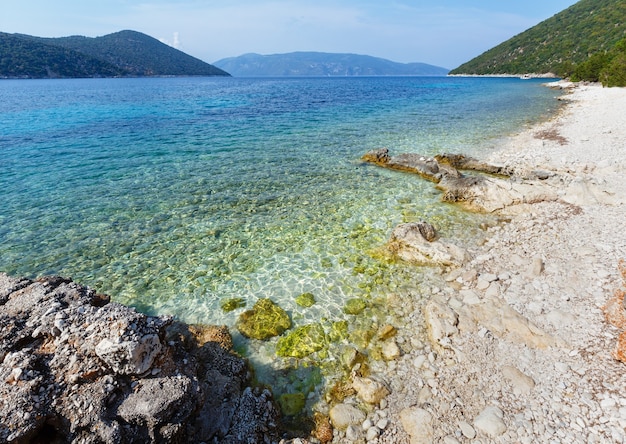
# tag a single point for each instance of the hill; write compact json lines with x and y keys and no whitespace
{"x":22,"y":57}
{"x":556,"y":44}
{"x":124,"y":53}
{"x":322,"y":64}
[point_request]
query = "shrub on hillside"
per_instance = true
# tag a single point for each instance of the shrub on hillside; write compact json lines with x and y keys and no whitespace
{"x":606,"y":67}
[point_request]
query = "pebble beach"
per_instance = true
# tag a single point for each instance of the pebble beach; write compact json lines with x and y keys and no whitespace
{"x":528,"y":355}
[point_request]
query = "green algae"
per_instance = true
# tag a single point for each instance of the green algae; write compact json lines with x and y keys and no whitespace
{"x":291,"y":404}
{"x":354,"y":306}
{"x":338,"y":331}
{"x":230,"y":304}
{"x":306,"y":300}
{"x":302,"y":341}
{"x":265,"y":320}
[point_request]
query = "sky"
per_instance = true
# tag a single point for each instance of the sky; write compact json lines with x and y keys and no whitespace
{"x":445,"y":33}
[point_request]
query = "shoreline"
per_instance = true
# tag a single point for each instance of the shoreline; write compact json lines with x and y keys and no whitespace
{"x":513,"y":345}
{"x":528,"y":354}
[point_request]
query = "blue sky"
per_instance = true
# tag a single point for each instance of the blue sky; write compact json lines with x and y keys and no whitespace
{"x":440,"y":32}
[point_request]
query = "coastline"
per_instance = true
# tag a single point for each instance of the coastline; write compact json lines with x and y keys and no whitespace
{"x":527,"y":352}
{"x":528,"y":355}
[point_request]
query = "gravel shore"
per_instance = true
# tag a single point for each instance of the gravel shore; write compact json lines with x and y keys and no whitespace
{"x":514,"y":347}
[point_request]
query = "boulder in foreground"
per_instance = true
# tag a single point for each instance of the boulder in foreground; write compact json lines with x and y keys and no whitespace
{"x":76,"y":368}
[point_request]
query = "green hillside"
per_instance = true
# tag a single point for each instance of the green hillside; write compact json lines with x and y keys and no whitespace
{"x":124,"y":53}
{"x":557,"y":44}
{"x":24,"y":58}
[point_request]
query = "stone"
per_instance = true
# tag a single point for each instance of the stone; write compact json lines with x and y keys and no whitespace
{"x":158,"y":401}
{"x":302,"y":341}
{"x":265,"y":320}
{"x":129,"y":357}
{"x":323,"y":428}
{"x":490,"y":422}
{"x":522,"y":384}
{"x":408,"y":243}
{"x":344,"y":415}
{"x":418,"y":424}
{"x":231,"y":304}
{"x":467,"y":430}
{"x":354,"y":306}
{"x":390,"y":350}
{"x":372,"y":433}
{"x":387,"y":331}
{"x":441,"y":323}
{"x":306,"y":300}
{"x":504,"y":321}
{"x":470,"y":297}
{"x":212,"y":333}
{"x":427,"y":231}
{"x":536,"y":266}
{"x":379,"y":156}
{"x":353,"y":433}
{"x":369,"y":390}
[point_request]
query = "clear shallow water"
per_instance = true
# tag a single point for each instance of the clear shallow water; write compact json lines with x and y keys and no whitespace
{"x":175,"y":194}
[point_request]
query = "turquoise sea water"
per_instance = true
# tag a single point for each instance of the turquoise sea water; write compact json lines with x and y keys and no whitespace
{"x":175,"y":194}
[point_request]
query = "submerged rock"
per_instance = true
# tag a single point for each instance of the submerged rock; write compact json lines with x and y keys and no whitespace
{"x":265,"y":320}
{"x":231,"y":304}
{"x":292,"y":404}
{"x":354,"y":306}
{"x":306,"y":300}
{"x":77,"y":369}
{"x":302,"y":341}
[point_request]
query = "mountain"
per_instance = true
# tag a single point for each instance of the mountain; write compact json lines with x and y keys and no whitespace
{"x":556,"y":44}
{"x":124,"y":53}
{"x":322,"y":64}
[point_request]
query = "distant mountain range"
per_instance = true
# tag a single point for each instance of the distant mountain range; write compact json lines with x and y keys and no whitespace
{"x":322,"y":64}
{"x":121,"y":54}
{"x":557,"y":44}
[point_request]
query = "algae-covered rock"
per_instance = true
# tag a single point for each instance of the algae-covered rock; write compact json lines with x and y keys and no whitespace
{"x":338,"y":331}
{"x":305,"y":300}
{"x":265,"y":320}
{"x":354,"y":306}
{"x":302,"y":341}
{"x":291,"y":403}
{"x":231,"y":304}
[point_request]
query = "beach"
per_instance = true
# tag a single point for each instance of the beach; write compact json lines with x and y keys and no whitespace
{"x":514,"y":346}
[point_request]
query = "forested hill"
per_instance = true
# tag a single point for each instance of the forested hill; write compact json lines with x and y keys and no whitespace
{"x":557,"y":44}
{"x":322,"y":64}
{"x":124,"y":53}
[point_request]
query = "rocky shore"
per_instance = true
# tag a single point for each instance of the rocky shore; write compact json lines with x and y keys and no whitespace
{"x":78,"y":368}
{"x":520,"y":339}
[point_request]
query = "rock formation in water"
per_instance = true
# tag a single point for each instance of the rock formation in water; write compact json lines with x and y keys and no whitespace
{"x":489,"y":188}
{"x":78,"y":368}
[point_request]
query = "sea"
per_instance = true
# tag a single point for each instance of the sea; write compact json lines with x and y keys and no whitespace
{"x":178,"y":196}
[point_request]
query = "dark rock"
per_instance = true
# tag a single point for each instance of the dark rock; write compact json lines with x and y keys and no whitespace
{"x":75,"y":368}
{"x":427,"y":231}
